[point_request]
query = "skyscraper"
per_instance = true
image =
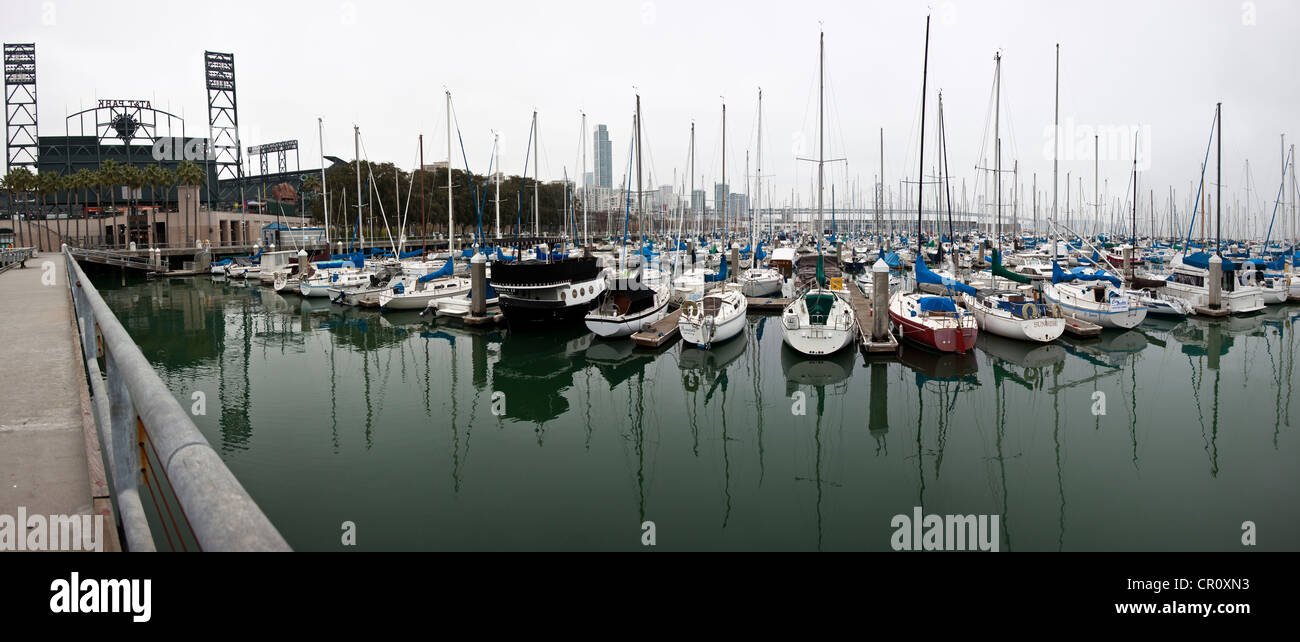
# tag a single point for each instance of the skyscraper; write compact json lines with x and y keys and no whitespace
{"x":603,"y":154}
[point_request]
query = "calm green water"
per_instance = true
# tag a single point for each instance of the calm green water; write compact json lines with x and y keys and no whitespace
{"x":330,"y":414}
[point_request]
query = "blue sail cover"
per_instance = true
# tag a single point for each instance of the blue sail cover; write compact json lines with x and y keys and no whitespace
{"x":1099,"y":275}
{"x":891,"y":259}
{"x":1202,"y":260}
{"x":501,"y":256}
{"x":924,"y":275}
{"x":222,"y":262}
{"x":937,"y":304}
{"x":1266,"y":265}
{"x":761,"y":254}
{"x":445,"y":271}
{"x":412,"y":253}
{"x":721,"y":275}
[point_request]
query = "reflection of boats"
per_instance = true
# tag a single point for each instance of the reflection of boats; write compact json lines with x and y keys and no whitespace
{"x":707,"y":365}
{"x":823,"y":370}
{"x":1110,"y":348}
{"x":617,"y":361}
{"x":535,"y":369}
{"x":1020,"y":353}
{"x":939,"y":366}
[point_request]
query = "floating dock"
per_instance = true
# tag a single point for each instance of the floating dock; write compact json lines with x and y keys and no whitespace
{"x":1081,"y":328}
{"x":766,"y":304}
{"x":1207,"y":311}
{"x":887,"y":344}
{"x":660,"y":333}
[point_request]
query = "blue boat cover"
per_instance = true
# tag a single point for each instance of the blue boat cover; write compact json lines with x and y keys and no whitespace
{"x":937,"y":304}
{"x":444,"y":271}
{"x":721,"y":275}
{"x":1202,"y":260}
{"x":924,"y":275}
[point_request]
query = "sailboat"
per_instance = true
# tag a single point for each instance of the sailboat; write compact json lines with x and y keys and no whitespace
{"x":553,"y":289}
{"x":820,"y":320}
{"x":1011,"y":313}
{"x":932,"y":321}
{"x":631,"y":304}
{"x":1190,"y":279}
{"x":758,"y":281}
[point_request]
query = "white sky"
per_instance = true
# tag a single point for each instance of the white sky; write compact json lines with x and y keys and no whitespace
{"x":383,"y":66}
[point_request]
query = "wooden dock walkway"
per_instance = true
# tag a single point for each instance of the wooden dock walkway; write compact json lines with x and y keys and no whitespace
{"x":766,"y":304}
{"x":50,"y":462}
{"x":1081,"y":328}
{"x":661,"y":333}
{"x":865,"y":316}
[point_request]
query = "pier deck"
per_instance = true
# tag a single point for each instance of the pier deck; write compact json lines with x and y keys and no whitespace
{"x":1081,"y":328}
{"x":49,"y":449}
{"x":865,"y":315}
{"x":662,"y":332}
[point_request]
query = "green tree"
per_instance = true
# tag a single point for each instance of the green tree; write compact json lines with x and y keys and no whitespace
{"x":110,"y":174}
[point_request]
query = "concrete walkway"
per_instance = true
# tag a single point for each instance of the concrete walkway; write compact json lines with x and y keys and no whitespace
{"x":46,"y":428}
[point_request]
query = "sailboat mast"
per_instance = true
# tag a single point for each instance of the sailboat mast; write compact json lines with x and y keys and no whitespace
{"x":1133,"y":239}
{"x":997,"y":149}
{"x":451,"y":236}
{"x":537,"y":217}
{"x":356,"y":146}
{"x":325,"y":192}
{"x":582,"y":142}
{"x":724,"y":169}
{"x":640,"y":212}
{"x":424,"y":214}
{"x":920,"y":184}
{"x":1056,"y":138}
{"x":821,"y":139}
{"x":692,"y":172}
{"x":496,"y":140}
{"x":758,"y":178}
{"x":1218,"y":180}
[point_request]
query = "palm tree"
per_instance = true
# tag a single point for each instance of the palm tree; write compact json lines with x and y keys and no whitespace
{"x":65,"y":185}
{"x":21,"y":180}
{"x":7,"y":187}
{"x":190,"y":174}
{"x":83,"y":180}
{"x":43,"y":186}
{"x":110,"y":175}
{"x":153,"y":178}
{"x":133,"y":176}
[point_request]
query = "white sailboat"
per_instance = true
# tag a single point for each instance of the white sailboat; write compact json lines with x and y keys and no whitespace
{"x":716,"y":317}
{"x":820,"y":320}
{"x":758,"y":281}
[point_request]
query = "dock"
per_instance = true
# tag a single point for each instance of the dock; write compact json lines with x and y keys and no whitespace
{"x":1214,"y":313}
{"x":766,"y":304}
{"x":50,"y":462}
{"x":1081,"y":328}
{"x":660,"y":333}
{"x":865,"y":316}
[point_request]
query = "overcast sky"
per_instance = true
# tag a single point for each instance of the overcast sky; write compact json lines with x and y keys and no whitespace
{"x":1156,"y":66}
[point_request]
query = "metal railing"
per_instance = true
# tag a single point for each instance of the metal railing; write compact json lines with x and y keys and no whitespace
{"x":136,"y":415}
{"x":15,"y":256}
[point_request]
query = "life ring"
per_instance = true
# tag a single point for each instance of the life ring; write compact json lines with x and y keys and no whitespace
{"x":688,"y":308}
{"x":1032,"y":375}
{"x":1030,"y":311}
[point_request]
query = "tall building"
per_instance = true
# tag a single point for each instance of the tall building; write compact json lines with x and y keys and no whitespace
{"x":603,"y":153}
{"x":720,"y":192}
{"x":697,"y":201}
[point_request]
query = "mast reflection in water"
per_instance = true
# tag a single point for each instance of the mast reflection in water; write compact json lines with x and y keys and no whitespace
{"x":433,"y":435}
